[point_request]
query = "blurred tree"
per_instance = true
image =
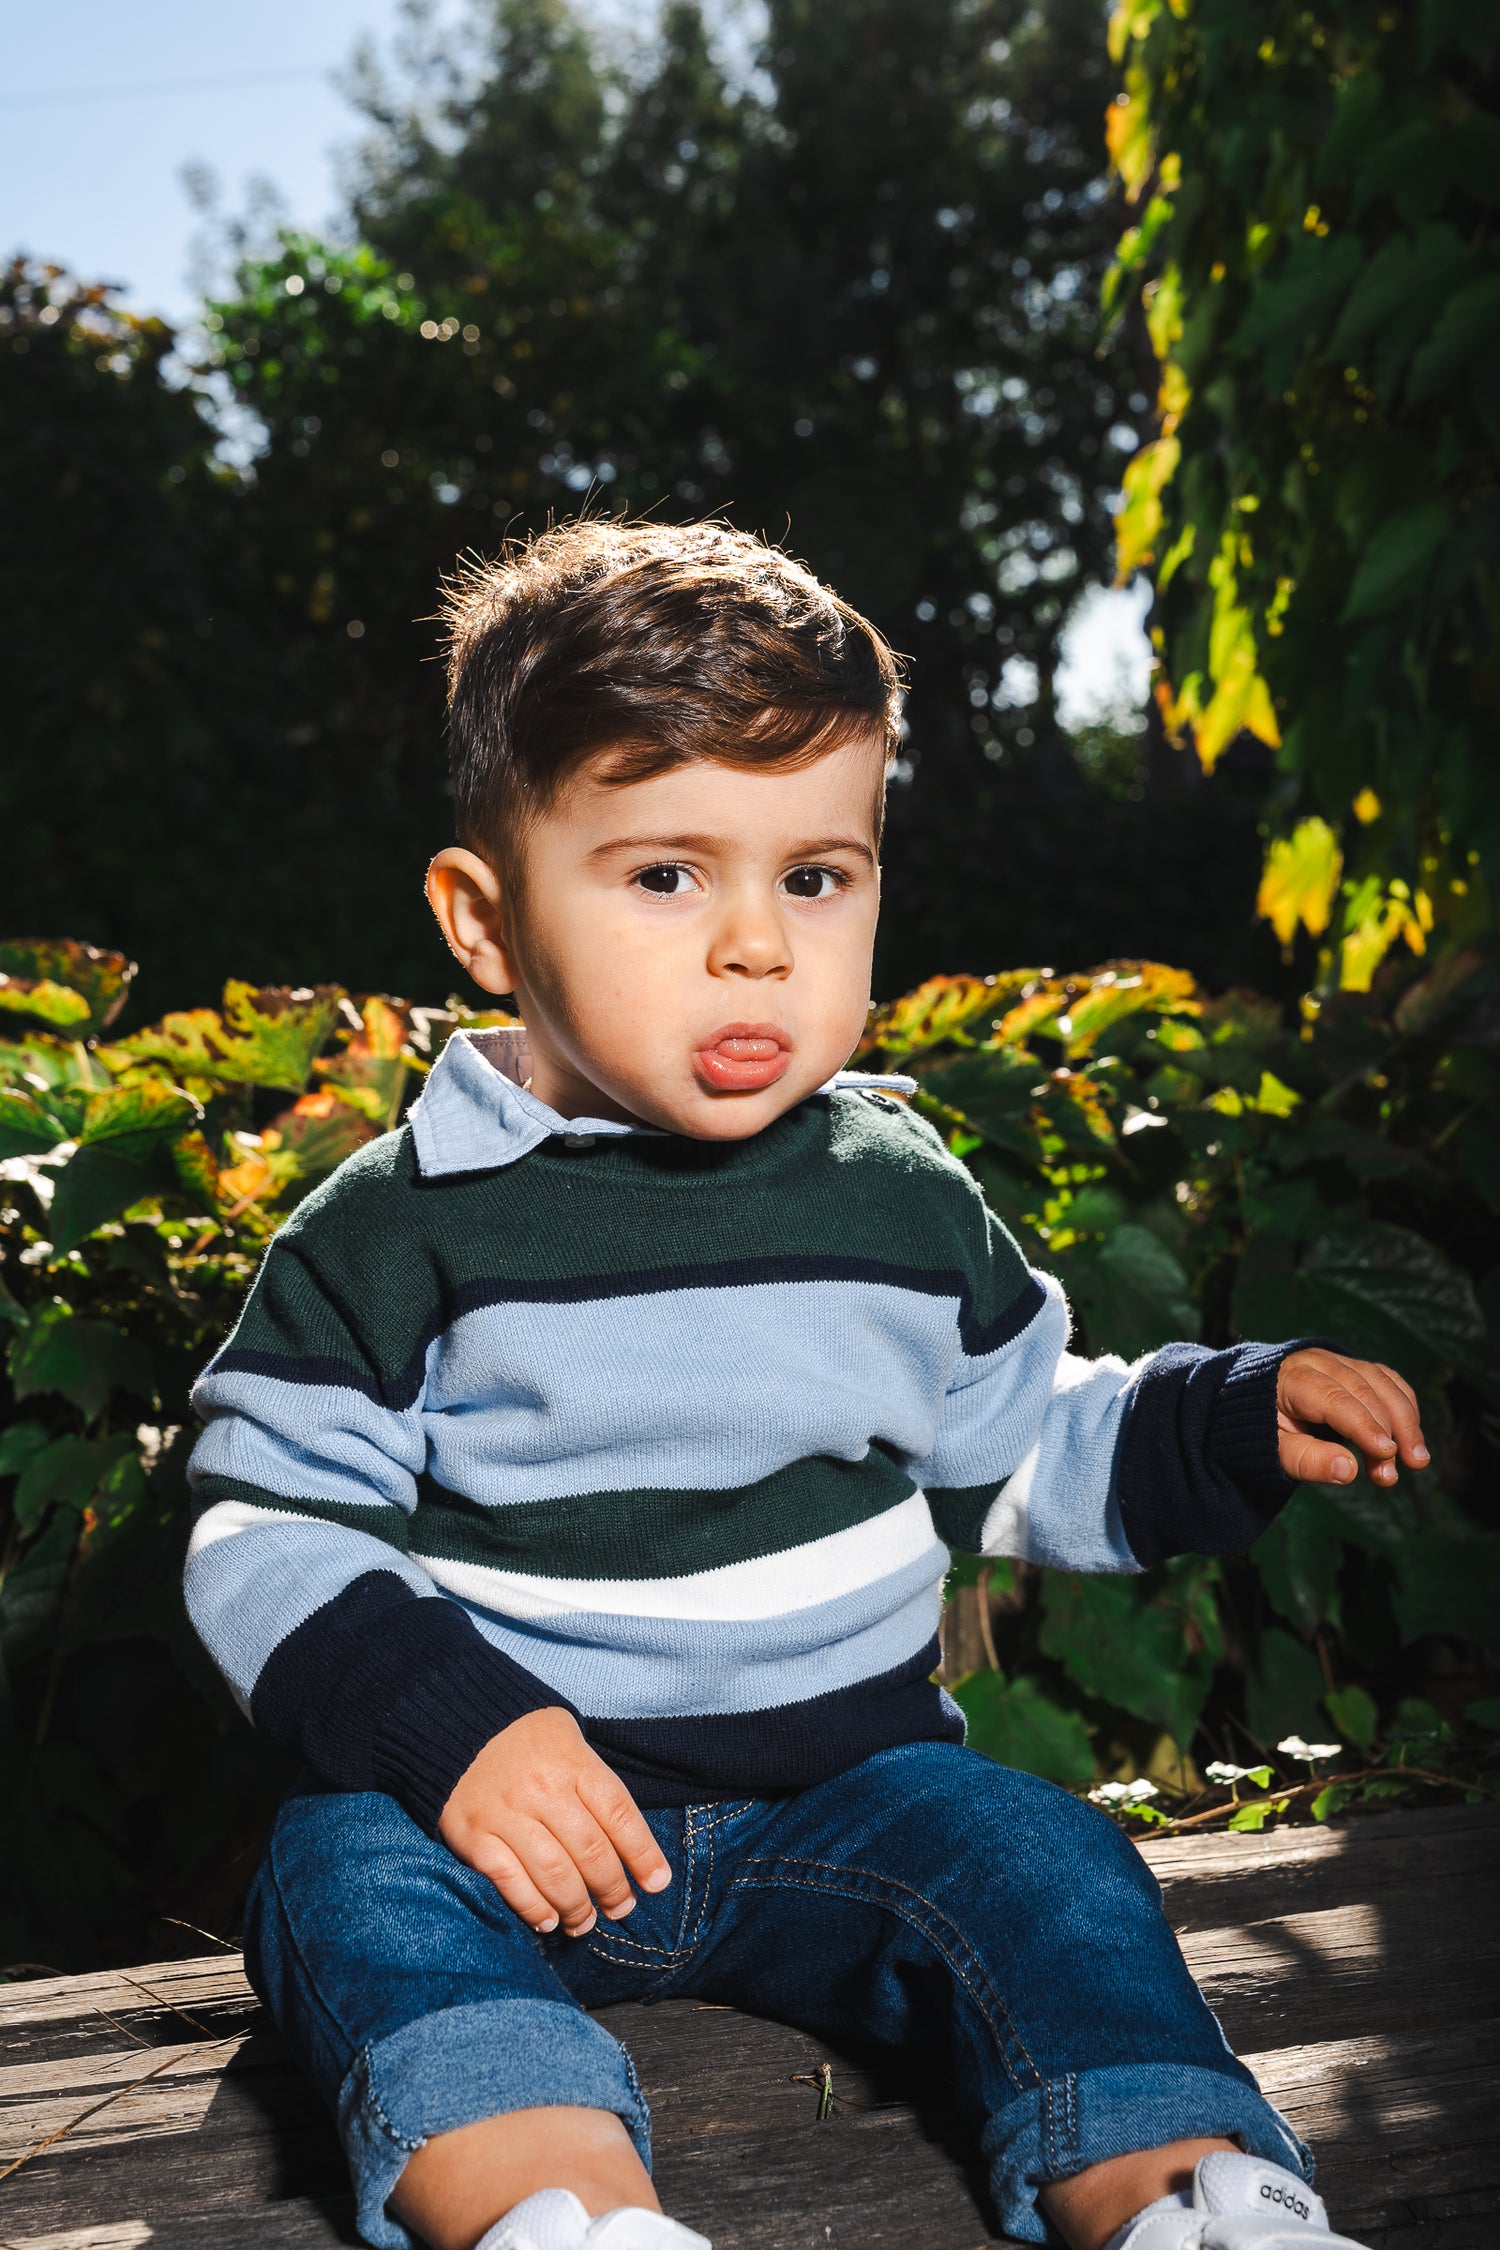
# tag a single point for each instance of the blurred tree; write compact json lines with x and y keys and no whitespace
{"x":850,"y":300}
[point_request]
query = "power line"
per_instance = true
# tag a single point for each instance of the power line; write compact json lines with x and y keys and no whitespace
{"x":143,"y":90}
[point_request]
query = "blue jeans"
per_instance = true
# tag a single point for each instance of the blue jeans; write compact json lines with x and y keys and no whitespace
{"x":928,"y":1900}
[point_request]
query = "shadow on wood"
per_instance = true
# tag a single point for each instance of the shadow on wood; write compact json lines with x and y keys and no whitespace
{"x":1353,"y":1968}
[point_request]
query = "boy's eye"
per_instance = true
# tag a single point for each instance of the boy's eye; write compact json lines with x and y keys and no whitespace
{"x":814,"y":882}
{"x":666,"y":881}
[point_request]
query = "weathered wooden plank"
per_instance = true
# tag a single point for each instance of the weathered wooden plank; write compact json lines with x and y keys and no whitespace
{"x":1358,"y":1965}
{"x":1210,"y":1880}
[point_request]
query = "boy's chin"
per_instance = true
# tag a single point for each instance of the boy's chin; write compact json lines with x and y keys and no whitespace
{"x":719,"y":1116}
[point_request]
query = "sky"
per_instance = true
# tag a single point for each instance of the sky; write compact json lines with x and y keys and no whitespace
{"x":94,"y":181}
{"x":103,"y":106}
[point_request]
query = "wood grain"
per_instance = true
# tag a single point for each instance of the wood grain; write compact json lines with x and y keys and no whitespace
{"x":1356,"y":1968}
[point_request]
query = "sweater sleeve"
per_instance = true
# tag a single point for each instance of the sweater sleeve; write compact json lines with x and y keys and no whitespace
{"x":299,"y":1579}
{"x":1093,"y":1465}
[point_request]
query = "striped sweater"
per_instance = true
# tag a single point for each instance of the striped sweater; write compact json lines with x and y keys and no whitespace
{"x":678,"y":1435}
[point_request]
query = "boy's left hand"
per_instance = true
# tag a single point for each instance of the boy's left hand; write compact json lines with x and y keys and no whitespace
{"x":1368,"y":1405}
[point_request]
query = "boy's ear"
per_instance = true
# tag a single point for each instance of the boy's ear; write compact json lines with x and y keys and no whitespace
{"x":468,"y":898}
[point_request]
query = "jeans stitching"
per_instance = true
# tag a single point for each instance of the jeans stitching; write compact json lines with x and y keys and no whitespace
{"x":703,"y":1896}
{"x":964,"y":1962}
{"x":601,"y":1939}
{"x":372,"y":2104}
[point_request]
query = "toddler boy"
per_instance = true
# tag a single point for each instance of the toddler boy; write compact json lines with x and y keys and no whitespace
{"x":579,"y":1483}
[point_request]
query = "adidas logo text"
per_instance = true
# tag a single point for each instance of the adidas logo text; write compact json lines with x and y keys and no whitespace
{"x":1286,"y":2196}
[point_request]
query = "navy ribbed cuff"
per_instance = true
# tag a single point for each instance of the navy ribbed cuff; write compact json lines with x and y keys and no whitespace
{"x":459,"y":1698}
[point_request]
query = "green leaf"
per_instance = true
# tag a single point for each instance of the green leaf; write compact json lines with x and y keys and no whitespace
{"x":941,"y":1009}
{"x":104,"y":1179}
{"x":996,"y":1091}
{"x":1296,"y":301}
{"x":136,"y":1111}
{"x":1449,"y":1586}
{"x":84,"y":1360}
{"x":1469,"y":25}
{"x":31,"y":1591}
{"x":1134,"y":1646}
{"x":1466,"y":333}
{"x":266,"y":1036}
{"x":370,"y":1068}
{"x":20,"y":1442}
{"x":59,"y":981}
{"x":1250,"y":1819}
{"x":1283,"y":1689}
{"x":1133,"y":1293}
{"x":1485,"y":1713}
{"x":1298,"y":1558}
{"x":26,"y":1128}
{"x":1333,"y":1799}
{"x":1397,"y":559}
{"x":1417,"y":1731}
{"x":67,"y":1474}
{"x":1353,"y":1712}
{"x":1380,"y":1291}
{"x":1018,"y":1726}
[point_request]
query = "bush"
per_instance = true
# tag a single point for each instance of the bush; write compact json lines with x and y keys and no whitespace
{"x":1189,"y":1167}
{"x":1316,"y":257}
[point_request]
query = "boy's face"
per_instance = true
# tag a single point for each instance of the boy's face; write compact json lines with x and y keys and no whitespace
{"x":693,"y":950}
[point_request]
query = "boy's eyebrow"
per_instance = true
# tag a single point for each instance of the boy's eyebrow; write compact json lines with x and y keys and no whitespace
{"x":814,"y":849}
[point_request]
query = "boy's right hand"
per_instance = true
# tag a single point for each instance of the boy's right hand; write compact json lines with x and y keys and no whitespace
{"x":554,"y":1830}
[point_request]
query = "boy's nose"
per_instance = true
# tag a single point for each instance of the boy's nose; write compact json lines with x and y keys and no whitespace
{"x":750,"y":943}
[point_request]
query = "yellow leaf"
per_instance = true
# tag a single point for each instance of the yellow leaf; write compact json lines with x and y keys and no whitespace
{"x":1300,"y":881}
{"x":1163,"y":302}
{"x":1174,"y":394}
{"x":1366,"y":807}
{"x":1127,"y":134}
{"x":1272,"y":1098}
{"x":1139,"y":522}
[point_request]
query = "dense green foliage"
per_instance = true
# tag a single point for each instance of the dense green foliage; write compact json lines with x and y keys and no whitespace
{"x":853,"y":302}
{"x":1187,"y":1167}
{"x":1317,"y":187}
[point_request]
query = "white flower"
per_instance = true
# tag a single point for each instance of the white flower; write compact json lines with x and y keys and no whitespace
{"x":1308,"y":1752}
{"x":1226,"y":1774}
{"x":1121,"y":1793}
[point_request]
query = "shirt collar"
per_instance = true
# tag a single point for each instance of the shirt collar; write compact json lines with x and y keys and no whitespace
{"x":476,"y":1115}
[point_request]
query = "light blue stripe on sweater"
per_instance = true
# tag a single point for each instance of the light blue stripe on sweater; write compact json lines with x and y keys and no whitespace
{"x":307,"y":1563}
{"x":648,"y":1667}
{"x":307,"y":1441}
{"x":689,"y":1390}
{"x":1061,"y":1507}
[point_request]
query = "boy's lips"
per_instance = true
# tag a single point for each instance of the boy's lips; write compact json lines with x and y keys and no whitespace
{"x":741,"y":1058}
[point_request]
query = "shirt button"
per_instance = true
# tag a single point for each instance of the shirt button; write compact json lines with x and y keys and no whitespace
{"x":578,"y":1140}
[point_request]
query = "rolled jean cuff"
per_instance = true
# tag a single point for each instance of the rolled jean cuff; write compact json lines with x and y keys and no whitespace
{"x":1066,"y":2124}
{"x":462,"y":2064}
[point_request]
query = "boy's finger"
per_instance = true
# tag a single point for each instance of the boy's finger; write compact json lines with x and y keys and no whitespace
{"x":496,"y":1860}
{"x":550,"y":1866}
{"x":624,"y":1824}
{"x":1339,"y":1397}
{"x":1400,"y":1403}
{"x":594,"y":1856}
{"x":1314,"y":1461}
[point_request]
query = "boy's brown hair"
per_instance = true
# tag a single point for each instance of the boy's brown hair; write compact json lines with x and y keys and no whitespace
{"x":646,"y":646}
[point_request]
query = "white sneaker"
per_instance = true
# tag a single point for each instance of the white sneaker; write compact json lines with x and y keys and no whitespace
{"x":554,"y":2219}
{"x":1239,"y":2203}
